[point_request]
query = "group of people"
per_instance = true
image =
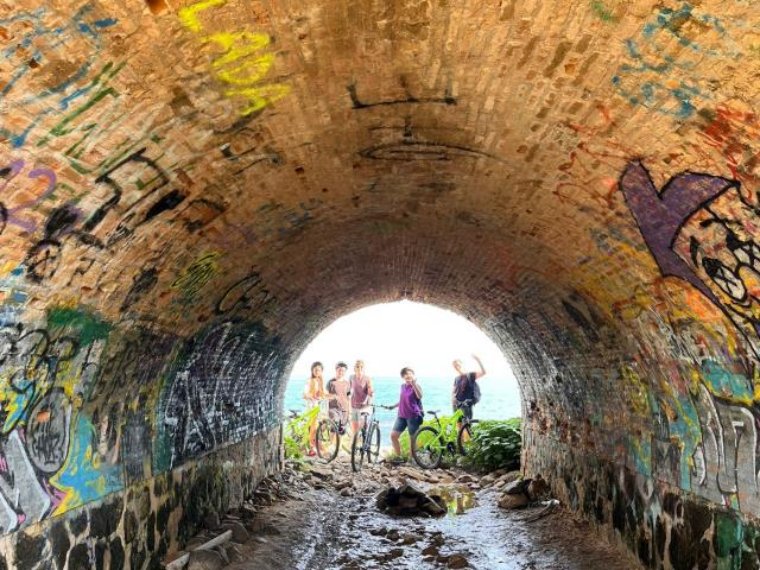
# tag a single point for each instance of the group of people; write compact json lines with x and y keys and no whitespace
{"x":345,"y":399}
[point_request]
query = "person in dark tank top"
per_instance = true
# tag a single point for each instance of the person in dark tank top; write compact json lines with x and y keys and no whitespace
{"x":464,"y":387}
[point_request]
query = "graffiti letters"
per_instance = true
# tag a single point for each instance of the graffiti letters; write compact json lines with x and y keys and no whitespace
{"x":224,"y":391}
{"x":248,"y":294}
{"x":35,"y":186}
{"x":672,"y":46}
{"x":73,"y":48}
{"x":128,"y":195}
{"x":194,"y":277}
{"x":242,"y":65}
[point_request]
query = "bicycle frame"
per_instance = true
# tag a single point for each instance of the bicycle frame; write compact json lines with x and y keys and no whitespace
{"x":445,"y":434}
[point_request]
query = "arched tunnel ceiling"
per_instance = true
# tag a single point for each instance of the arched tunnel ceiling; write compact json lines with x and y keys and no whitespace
{"x":255,"y":133}
{"x":174,"y":166}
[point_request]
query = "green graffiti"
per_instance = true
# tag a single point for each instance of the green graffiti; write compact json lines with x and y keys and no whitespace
{"x":602,"y":12}
{"x":729,"y":535}
{"x":89,"y":327}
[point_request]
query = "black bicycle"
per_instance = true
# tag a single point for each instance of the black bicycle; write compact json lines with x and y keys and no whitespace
{"x":429,"y":443}
{"x":366,"y":442}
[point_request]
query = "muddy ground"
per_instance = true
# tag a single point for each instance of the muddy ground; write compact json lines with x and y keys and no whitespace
{"x":324,"y":517}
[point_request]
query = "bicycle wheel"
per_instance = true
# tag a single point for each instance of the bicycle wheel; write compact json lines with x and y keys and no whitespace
{"x":327,"y":440}
{"x":464,"y":437}
{"x":427,"y":447}
{"x":373,"y":449}
{"x":357,"y":451}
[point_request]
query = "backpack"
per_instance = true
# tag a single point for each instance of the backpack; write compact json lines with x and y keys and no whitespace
{"x":476,"y":392}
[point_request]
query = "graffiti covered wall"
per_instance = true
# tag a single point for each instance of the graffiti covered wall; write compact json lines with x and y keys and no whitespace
{"x":190,"y":190}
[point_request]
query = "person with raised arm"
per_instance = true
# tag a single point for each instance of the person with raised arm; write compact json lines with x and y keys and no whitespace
{"x":466,"y":392}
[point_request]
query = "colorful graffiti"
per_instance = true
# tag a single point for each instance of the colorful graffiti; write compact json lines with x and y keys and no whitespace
{"x":701,"y":229}
{"x":241,"y":66}
{"x":127,"y":196}
{"x":48,"y":462}
{"x":664,"y":70}
{"x":22,"y":189}
{"x":38,"y":40}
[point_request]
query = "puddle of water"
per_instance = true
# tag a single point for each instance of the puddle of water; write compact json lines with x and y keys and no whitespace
{"x":458,"y":499}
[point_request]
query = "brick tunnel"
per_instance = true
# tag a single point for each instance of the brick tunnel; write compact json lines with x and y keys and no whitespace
{"x":191,"y":191}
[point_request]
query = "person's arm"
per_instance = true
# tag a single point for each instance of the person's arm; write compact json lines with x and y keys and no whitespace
{"x":482,"y":371}
{"x":370,"y":391}
{"x":417,"y":389}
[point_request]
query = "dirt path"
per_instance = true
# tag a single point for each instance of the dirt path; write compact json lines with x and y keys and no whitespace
{"x":328,"y":520}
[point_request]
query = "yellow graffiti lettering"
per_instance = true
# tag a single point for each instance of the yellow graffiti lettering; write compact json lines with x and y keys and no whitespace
{"x":260,"y":97}
{"x":237,"y":45}
{"x":248,"y":72}
{"x":189,"y":15}
{"x":231,"y":67}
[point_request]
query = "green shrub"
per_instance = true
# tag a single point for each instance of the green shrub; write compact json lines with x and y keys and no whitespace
{"x":296,"y":436}
{"x":496,"y":444}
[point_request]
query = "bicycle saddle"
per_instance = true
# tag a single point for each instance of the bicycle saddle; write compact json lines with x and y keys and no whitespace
{"x":434,"y":412}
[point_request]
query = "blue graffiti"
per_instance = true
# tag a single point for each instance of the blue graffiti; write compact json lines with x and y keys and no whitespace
{"x":638,"y":80}
{"x":35,"y":46}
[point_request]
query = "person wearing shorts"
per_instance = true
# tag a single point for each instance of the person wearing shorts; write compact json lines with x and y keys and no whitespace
{"x":409,"y":409}
{"x":362,"y":393}
{"x":339,"y":394}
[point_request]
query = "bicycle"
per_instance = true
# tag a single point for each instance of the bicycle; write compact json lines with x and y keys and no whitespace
{"x":366,"y":442}
{"x":428,"y":444}
{"x":464,"y":433}
{"x":328,"y":436}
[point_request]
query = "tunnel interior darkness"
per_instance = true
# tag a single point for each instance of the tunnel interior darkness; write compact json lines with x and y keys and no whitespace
{"x":191,"y":190}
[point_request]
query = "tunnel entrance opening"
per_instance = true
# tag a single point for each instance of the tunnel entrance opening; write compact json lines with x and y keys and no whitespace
{"x":389,"y":336}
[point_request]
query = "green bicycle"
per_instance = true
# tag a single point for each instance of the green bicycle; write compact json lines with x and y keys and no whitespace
{"x":429,"y":443}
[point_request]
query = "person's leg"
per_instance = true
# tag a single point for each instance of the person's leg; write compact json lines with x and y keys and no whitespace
{"x":313,"y":437}
{"x":395,"y":443}
{"x":458,"y":407}
{"x":467,"y":412}
{"x":398,"y":427}
{"x":414,"y":424}
{"x":355,"y":425}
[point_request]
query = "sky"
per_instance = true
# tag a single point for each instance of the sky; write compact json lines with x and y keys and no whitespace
{"x":390,"y":336}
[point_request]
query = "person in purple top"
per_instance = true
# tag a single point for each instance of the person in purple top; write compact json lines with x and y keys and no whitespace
{"x":409,"y":408}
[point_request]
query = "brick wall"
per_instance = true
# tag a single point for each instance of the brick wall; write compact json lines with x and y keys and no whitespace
{"x":191,"y":190}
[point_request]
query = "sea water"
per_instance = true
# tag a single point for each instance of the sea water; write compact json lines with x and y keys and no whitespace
{"x":500,"y":398}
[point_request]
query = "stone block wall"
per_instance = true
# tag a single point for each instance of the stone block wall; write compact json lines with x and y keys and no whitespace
{"x":138,"y":526}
